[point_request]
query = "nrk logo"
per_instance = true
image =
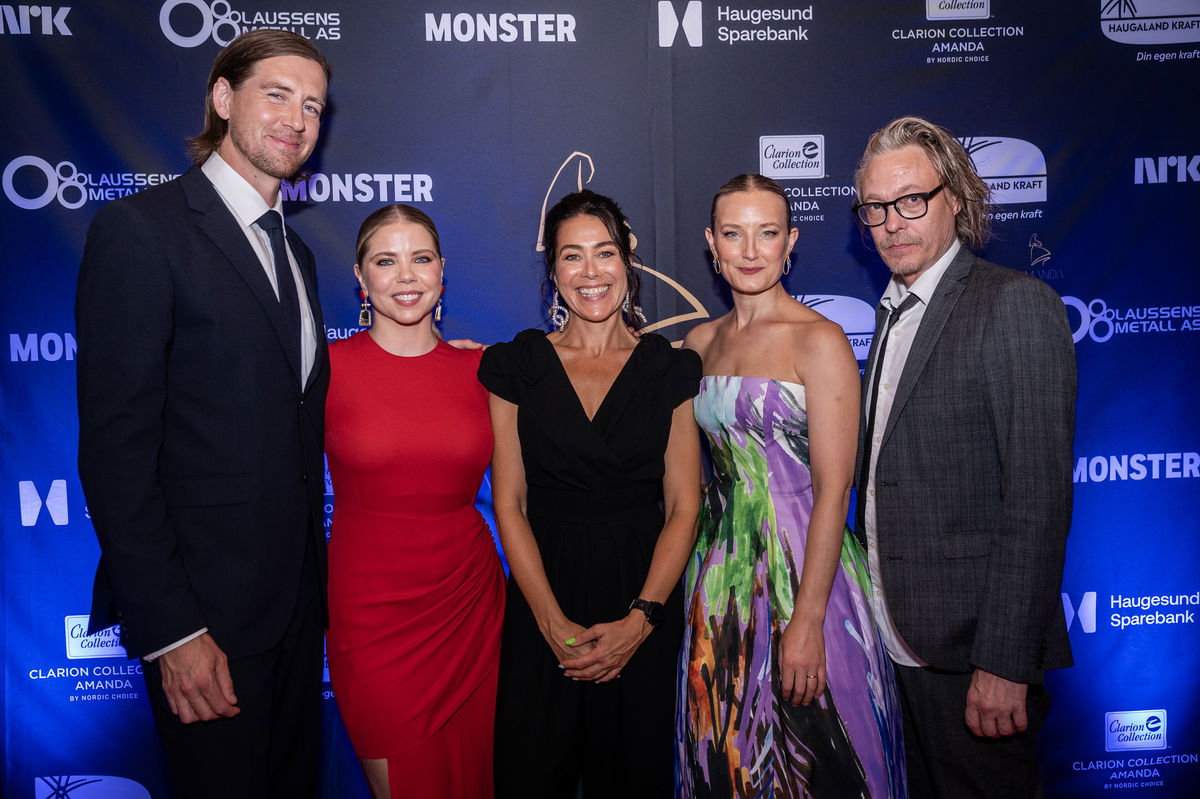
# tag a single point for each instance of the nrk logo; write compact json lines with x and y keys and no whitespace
{"x":19,"y":20}
{"x":1086,"y":612}
{"x":221,"y":24}
{"x":32,"y":503}
{"x":1166,"y":169}
{"x":1135,"y":729}
{"x":957,"y":9}
{"x":855,"y":317}
{"x":80,"y":645}
{"x":31,"y":182}
{"x":1150,"y":21}
{"x":791,"y":157}
{"x":88,"y":787}
{"x":669,"y":23}
{"x":1014,"y":168}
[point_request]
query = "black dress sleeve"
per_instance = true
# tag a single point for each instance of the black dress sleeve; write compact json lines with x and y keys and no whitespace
{"x":504,"y":368}
{"x":496,"y":371}
{"x":683,"y":378}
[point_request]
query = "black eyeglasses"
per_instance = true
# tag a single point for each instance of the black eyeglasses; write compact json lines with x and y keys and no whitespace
{"x":910,"y":206}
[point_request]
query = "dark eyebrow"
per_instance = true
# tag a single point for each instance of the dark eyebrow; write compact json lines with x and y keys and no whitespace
{"x":283,"y":87}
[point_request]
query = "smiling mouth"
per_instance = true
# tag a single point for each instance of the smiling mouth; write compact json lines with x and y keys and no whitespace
{"x":592,"y":292}
{"x":407,"y":298}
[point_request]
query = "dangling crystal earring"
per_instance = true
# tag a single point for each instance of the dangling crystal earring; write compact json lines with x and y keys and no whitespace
{"x":364,"y":313}
{"x":437,"y":311}
{"x":637,"y":312}
{"x":787,"y":265}
{"x":559,"y":315}
{"x":716,"y":265}
{"x":626,"y":304}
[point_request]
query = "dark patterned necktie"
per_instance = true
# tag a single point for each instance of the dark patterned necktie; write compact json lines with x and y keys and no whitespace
{"x":289,"y":302}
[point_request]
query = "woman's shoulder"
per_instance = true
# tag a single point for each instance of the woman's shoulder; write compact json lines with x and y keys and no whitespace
{"x":659,"y":357}
{"x":526,"y":356}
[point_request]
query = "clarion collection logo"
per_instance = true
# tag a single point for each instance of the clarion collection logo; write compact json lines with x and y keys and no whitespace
{"x":791,"y":157}
{"x":104,"y":644}
{"x":220,"y":23}
{"x":957,"y":9}
{"x":1150,"y":21}
{"x":1135,"y":729}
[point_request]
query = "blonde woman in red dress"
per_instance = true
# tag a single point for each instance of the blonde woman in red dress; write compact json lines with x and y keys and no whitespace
{"x":416,"y":591}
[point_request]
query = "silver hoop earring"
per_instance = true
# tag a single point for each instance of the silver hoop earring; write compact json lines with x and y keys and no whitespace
{"x":716,"y":265}
{"x":559,"y":315}
{"x":787,"y":265}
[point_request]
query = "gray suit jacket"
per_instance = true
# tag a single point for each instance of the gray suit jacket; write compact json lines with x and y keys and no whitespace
{"x":973,"y":481}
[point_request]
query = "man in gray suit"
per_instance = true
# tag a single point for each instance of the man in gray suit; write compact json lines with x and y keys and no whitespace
{"x":964,"y":470}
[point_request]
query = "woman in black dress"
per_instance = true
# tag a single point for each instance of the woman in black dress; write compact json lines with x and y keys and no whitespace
{"x":592,"y":427}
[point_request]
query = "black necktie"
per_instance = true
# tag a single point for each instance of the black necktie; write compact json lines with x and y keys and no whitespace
{"x":289,"y":302}
{"x":864,"y":472}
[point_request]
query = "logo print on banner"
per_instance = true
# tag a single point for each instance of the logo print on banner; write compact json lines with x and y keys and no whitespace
{"x":791,"y":157}
{"x":854,"y":316}
{"x":1014,"y":168}
{"x":220,"y":23}
{"x":92,"y":786}
{"x":1151,"y":21}
{"x":17,"y":19}
{"x":104,"y":644}
{"x":1158,"y":170}
{"x":31,"y":503}
{"x":698,"y":311}
{"x":1086,"y":611}
{"x":217,"y":23}
{"x":506,"y":27}
{"x":1135,"y":729}
{"x":50,"y":346}
{"x":64,"y":183}
{"x":957,"y":9}
{"x":669,"y":23}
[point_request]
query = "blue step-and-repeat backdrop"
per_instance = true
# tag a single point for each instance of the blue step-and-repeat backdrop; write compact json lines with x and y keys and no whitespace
{"x":1082,"y":116}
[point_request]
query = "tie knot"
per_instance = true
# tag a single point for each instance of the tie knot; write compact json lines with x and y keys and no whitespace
{"x":270,"y":221}
{"x":909,"y":301}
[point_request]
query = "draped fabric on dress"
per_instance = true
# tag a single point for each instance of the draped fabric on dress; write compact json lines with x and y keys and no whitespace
{"x":737,"y":736}
{"x":416,"y":591}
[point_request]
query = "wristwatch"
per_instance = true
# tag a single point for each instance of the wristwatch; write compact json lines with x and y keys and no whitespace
{"x":653,"y":610}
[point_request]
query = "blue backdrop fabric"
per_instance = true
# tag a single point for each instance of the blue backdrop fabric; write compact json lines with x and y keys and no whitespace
{"x":1082,"y":116}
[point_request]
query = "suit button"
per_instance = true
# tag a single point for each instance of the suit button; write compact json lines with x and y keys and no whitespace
{"x":304,"y":477}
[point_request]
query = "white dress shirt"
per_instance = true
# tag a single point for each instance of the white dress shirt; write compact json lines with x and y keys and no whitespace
{"x":899,"y":343}
{"x":247,"y":205}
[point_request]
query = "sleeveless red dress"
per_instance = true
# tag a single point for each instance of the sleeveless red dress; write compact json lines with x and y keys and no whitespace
{"x":416,"y":591}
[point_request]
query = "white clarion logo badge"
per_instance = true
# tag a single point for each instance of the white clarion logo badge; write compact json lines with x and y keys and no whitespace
{"x":1086,"y":612}
{"x":957,"y":9}
{"x":791,"y":157}
{"x":89,"y":786}
{"x":31,"y":503}
{"x":669,"y":23}
{"x":1135,"y":729}
{"x":80,"y":645}
{"x":855,"y":317}
{"x":1014,"y":168}
{"x":1151,"y":21}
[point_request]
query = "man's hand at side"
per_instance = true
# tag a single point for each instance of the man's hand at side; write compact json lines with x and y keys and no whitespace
{"x":995,"y":706}
{"x":196,"y":680}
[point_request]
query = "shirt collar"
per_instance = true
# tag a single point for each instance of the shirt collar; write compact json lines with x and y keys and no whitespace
{"x":243,"y":200}
{"x":924,"y":286}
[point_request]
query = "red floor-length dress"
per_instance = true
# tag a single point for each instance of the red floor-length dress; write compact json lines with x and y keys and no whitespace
{"x":416,"y":592}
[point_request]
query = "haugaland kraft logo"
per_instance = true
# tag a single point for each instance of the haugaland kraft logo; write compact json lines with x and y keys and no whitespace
{"x":218,"y":22}
{"x":89,"y":786}
{"x":791,"y":157}
{"x":1151,"y":21}
{"x":1135,"y":729}
{"x":854,"y":316}
{"x":670,"y":23}
{"x":1014,"y":168}
{"x":957,"y":9}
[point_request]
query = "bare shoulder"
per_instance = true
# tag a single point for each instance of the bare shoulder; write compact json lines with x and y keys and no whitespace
{"x":700,"y":336}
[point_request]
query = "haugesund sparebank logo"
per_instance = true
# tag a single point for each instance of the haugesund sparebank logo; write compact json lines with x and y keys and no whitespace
{"x":1135,"y":729}
{"x":1014,"y":168}
{"x":88,"y":786}
{"x":32,"y":502}
{"x":220,"y":23}
{"x":1085,"y":611}
{"x":1150,"y":21}
{"x":670,"y":23}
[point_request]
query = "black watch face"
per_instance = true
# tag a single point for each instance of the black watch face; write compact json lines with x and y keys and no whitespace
{"x":654,"y":613}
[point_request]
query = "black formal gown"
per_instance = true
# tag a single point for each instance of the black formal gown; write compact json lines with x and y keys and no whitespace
{"x":593,"y":505}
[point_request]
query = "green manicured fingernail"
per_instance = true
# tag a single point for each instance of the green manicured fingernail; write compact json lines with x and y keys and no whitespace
{"x":570,"y":641}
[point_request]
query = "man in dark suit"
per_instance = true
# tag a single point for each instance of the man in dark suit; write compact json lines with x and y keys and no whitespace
{"x":202,"y":373}
{"x":964,"y":470}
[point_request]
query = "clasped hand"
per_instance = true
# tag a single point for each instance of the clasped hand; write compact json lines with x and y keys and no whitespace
{"x":196,"y":680}
{"x":602,"y":650}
